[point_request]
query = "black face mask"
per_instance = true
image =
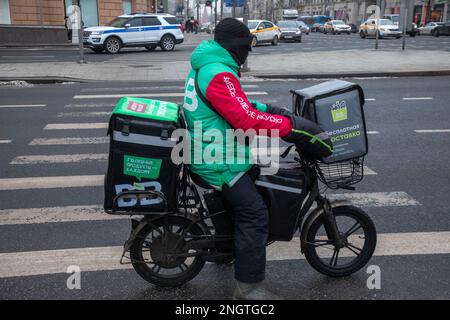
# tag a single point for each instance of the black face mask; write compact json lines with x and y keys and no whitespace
{"x":239,"y":48}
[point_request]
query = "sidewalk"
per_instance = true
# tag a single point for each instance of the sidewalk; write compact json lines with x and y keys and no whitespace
{"x":290,"y":65}
{"x":189,"y":38}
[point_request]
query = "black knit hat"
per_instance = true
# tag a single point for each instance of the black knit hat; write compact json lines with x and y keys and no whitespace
{"x":234,"y":36}
{"x":231,"y":28}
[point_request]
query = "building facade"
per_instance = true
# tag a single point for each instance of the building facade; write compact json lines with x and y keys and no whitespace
{"x":52,"y":12}
{"x":357,"y":11}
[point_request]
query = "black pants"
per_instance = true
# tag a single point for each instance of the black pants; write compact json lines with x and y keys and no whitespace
{"x":251,"y":223}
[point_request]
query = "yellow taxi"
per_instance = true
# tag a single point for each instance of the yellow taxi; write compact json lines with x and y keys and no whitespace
{"x":264,"y":31}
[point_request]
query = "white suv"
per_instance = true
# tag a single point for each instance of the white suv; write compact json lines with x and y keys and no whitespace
{"x":147,"y":30}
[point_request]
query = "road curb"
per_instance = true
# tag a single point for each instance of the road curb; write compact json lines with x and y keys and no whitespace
{"x":351,"y":74}
{"x":37,"y":45}
{"x":45,"y":80}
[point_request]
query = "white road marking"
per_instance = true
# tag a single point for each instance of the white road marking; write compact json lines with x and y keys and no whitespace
{"x":181,"y":88}
{"x":433,"y":131}
{"x":418,"y":98}
{"x":377,"y":199}
{"x":68,"y":141}
{"x":17,"y":264}
{"x":51,"y":182}
{"x":369,"y":172}
{"x":76,"y":126}
{"x":22,"y":105}
{"x":59,"y":158}
{"x":373,"y":132}
{"x":5,"y":141}
{"x":370,"y":99}
{"x":83,"y":114}
{"x":28,"y":56}
{"x":149,"y":95}
{"x":55,"y":214}
{"x":90,"y":105}
{"x":388,"y":244}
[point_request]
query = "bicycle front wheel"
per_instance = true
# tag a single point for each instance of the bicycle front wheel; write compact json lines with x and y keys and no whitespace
{"x":359,"y":238}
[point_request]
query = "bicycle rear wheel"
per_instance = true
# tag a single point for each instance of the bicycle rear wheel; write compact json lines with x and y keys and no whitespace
{"x":359,"y":241}
{"x":157,"y":252}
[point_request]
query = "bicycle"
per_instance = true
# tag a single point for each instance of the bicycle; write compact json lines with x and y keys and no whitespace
{"x":169,"y":248}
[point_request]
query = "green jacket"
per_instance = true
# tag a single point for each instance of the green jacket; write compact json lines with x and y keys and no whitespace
{"x":218,"y":80}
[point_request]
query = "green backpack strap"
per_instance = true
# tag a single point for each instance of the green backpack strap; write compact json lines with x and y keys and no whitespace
{"x":201,"y":95}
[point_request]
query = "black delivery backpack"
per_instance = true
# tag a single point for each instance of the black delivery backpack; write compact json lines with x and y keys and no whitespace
{"x":337,"y":106}
{"x":140,"y":133}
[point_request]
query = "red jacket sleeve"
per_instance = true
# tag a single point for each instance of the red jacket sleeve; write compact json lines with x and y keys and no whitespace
{"x":225,"y":94}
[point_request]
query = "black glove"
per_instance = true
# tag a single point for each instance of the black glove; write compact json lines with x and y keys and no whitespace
{"x":278,"y":110}
{"x":309,"y":138}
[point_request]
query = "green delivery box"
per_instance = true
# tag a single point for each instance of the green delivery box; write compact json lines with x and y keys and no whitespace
{"x":337,"y":106}
{"x":140,"y":133}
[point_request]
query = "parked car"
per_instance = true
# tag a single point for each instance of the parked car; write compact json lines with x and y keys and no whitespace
{"x":305,"y":29}
{"x":336,"y":27}
{"x":384,"y":28}
{"x":210,"y":28}
{"x":395,"y":18}
{"x":290,"y":30}
{"x":204,"y":26}
{"x":428,"y":28}
{"x":264,"y":31}
{"x":353,"y":28}
{"x":135,"y":30}
{"x":441,"y":30}
{"x":317,"y":27}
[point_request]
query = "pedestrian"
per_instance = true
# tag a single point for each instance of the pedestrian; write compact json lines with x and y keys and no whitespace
{"x":196,"y":26}
{"x":192,"y":24}
{"x":68,"y":25}
{"x":188,"y":26}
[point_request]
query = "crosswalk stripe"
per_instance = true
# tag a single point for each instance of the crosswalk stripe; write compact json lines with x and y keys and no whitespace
{"x":59,"y":158}
{"x":262,"y":153}
{"x":75,"y":158}
{"x":181,"y":88}
{"x":417,"y":98}
{"x":5,"y":141}
{"x":377,"y":199}
{"x":83,"y":114}
{"x":68,"y":141}
{"x":76,"y":126}
{"x":89,"y":105}
{"x":433,"y":131}
{"x":55,"y":214}
{"x":368,"y":199}
{"x":22,"y":105}
{"x":46,"y":262}
{"x":388,"y":244}
{"x":150,"y":95}
{"x":51,"y":182}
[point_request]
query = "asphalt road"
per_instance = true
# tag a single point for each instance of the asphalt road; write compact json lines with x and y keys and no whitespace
{"x":47,"y":225}
{"x":311,"y":43}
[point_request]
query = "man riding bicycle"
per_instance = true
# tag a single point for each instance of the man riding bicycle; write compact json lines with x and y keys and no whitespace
{"x":220,"y":104}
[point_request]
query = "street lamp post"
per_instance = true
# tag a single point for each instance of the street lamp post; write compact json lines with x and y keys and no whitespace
{"x":215,"y":13}
{"x":76,"y":13}
{"x":187,"y":10}
{"x":245,"y":67}
{"x":198,"y":11}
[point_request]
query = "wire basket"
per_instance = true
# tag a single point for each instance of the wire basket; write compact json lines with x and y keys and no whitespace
{"x":341,"y":174}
